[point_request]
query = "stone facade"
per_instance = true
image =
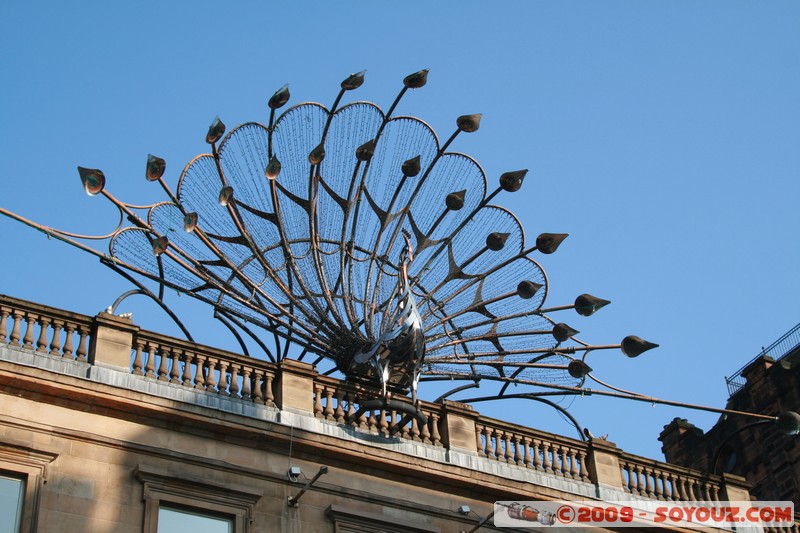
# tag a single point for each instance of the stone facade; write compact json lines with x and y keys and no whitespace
{"x":103,"y":445}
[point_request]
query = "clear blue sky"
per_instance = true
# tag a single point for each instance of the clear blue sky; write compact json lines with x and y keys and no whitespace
{"x":663,"y":136}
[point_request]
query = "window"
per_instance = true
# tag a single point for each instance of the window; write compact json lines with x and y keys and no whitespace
{"x":357,"y":521}
{"x":180,"y":504}
{"x":12,"y":492}
{"x":177,"y":520}
{"x":23,"y":470}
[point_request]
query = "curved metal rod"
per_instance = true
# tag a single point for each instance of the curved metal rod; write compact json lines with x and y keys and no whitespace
{"x":252,"y":335}
{"x":475,"y":385}
{"x":235,"y":333}
{"x":611,"y":386}
{"x":565,"y":390}
{"x":50,"y":230}
{"x":535,"y":397}
{"x":122,"y":297}
{"x":146,"y":292}
{"x":729,"y":437}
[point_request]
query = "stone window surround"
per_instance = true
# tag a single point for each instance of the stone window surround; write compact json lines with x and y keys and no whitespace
{"x":232,"y":502}
{"x":30,"y":466}
{"x":350,"y":521}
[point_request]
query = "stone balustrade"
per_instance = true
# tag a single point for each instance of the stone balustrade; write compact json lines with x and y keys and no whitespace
{"x":339,"y":401}
{"x":203,"y":368}
{"x":528,"y":448}
{"x":116,"y":343}
{"x":44,"y":329}
{"x":663,"y":481}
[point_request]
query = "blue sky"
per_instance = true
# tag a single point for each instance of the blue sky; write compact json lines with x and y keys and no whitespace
{"x":663,"y":136}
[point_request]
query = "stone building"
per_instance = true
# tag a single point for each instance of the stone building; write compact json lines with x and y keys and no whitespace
{"x":105,"y":427}
{"x":768,"y":459}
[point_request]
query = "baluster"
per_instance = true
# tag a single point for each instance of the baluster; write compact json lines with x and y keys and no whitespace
{"x":694,"y":490}
{"x":527,"y":460}
{"x":558,"y":460}
{"x":200,"y":372}
{"x":55,"y":344}
{"x":317,"y":400}
{"x":518,"y":456}
{"x":490,"y":449}
{"x":479,"y":441}
{"x":27,"y":342}
{"x":372,"y":422}
{"x":187,"y":369}
{"x":669,"y":486}
{"x":3,"y":324}
{"x":83,"y":333}
{"x":658,"y":477}
{"x":15,"y":333}
{"x":573,"y":464}
{"x":70,"y":331}
{"x":507,"y":455}
{"x":150,"y":366}
{"x":233,"y":384}
{"x":415,"y":433}
{"x":175,"y":369}
{"x":269,"y":396}
{"x":211,"y":378}
{"x":537,"y":454}
{"x":648,"y":480}
{"x":44,"y":325}
{"x":426,"y":434}
{"x":547,"y":465}
{"x":222,"y":384}
{"x":436,"y":438}
{"x":383,"y":423}
{"x":556,"y":454}
{"x":258,"y":378}
{"x":405,"y":431}
{"x":564,"y":470}
{"x":583,"y":473}
{"x":679,"y":487}
{"x":163,"y":370}
{"x":338,"y":414}
{"x":351,"y":410}
{"x":137,"y":359}
{"x":641,"y":483}
{"x":704,"y":492}
{"x":499,"y":451}
{"x":363,"y":419}
{"x":328,"y":410}
{"x":688,"y":490}
{"x":714,"y":493}
{"x":246,"y":388}
{"x":633,"y":480}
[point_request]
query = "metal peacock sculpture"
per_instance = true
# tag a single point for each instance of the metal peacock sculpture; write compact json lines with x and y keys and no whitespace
{"x":354,"y":235}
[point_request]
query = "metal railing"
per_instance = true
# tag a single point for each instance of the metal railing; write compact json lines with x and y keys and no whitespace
{"x":779,"y":349}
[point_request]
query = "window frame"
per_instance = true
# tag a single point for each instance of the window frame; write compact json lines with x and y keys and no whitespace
{"x":352,"y":521}
{"x":234,"y":502}
{"x":204,"y":513}
{"x":29,"y":466}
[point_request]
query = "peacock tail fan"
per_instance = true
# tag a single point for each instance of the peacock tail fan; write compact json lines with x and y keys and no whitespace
{"x":359,"y":237}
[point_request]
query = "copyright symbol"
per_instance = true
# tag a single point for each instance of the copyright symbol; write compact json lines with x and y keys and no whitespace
{"x":565,"y":514}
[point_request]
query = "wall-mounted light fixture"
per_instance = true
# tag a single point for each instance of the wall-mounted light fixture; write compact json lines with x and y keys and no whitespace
{"x":466,"y":511}
{"x":294,"y":475}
